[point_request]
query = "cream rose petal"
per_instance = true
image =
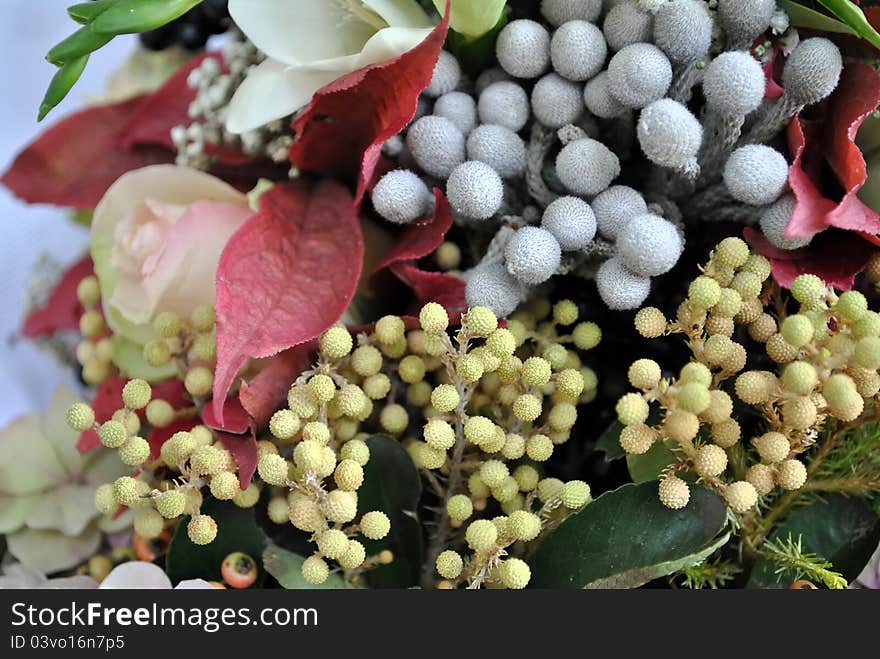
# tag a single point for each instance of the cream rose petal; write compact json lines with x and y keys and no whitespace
{"x":401,"y":13}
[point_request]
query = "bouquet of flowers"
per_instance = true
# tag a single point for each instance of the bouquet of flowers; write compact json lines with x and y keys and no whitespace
{"x":460,"y":294}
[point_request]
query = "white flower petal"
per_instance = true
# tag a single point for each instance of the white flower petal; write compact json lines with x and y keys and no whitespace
{"x":14,"y":510}
{"x":55,"y":429}
{"x":28,"y":463}
{"x":298,"y":31}
{"x":136,"y":574}
{"x":193,"y":584}
{"x":401,"y":13}
{"x":68,"y":509}
{"x":391,"y":43}
{"x":51,"y":551}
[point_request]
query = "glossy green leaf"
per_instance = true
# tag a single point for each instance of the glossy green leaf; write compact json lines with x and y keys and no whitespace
{"x":131,"y":16}
{"x":82,"y":42}
{"x":648,"y":466}
{"x":237,"y":530}
{"x":62,"y":82}
{"x":853,"y":16}
{"x":86,"y":12}
{"x":801,"y":16}
{"x":393,"y":485}
{"x":844,"y":531}
{"x":286,"y":567}
{"x":609,"y":442}
{"x":626,"y":538}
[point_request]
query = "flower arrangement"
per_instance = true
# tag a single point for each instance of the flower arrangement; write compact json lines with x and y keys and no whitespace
{"x":459,"y":294}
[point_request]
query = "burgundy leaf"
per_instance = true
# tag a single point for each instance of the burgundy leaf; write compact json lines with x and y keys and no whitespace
{"x":244,"y":451}
{"x":268,"y":389}
{"x":235,"y":418}
{"x":423,"y":237}
{"x":62,"y":310}
{"x":158,"y":436}
{"x":439,"y":287}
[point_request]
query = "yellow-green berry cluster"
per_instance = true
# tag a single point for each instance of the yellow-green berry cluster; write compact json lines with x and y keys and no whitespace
{"x":190,"y":344}
{"x":95,"y":352}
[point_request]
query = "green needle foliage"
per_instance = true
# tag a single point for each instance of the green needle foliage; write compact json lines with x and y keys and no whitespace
{"x":788,"y":555}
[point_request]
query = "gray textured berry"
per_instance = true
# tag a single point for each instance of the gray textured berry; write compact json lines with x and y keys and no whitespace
{"x":558,"y":12}
{"x":744,"y":20}
{"x":669,"y":134}
{"x":493,"y":286}
{"x":586,"y":167}
{"x":447,"y":75}
{"x":756,"y":174}
{"x":734,"y":84}
{"x":523,"y":49}
{"x":487,"y":77}
{"x":639,"y":74}
{"x":401,"y":197}
{"x":459,"y":108}
{"x":619,"y":288}
{"x":532,"y":255}
{"x":500,"y":148}
{"x":505,"y":104}
{"x":436,"y":145}
{"x":812,"y":71}
{"x":475,"y":190}
{"x":683,"y":30}
{"x":557,"y":101}
{"x":649,"y":245}
{"x":599,"y":100}
{"x":627,"y":24}
{"x":775,"y":218}
{"x":578,"y":50}
{"x":571,"y":221}
{"x":615,"y":207}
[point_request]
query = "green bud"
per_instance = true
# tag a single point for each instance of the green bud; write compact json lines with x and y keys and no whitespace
{"x":82,"y":42}
{"x":86,"y":12}
{"x":62,"y":83}
{"x":131,"y":16}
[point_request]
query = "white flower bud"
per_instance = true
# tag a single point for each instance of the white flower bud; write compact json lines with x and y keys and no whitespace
{"x":571,"y":221}
{"x":812,"y":70}
{"x":494,"y":287}
{"x":619,"y":288}
{"x":744,"y":20}
{"x":683,"y":30}
{"x":532,"y":255}
{"x":615,"y":207}
{"x":475,"y":190}
{"x":775,"y":218}
{"x":505,"y":104}
{"x":523,"y":49}
{"x":669,"y":134}
{"x":649,"y":245}
{"x":402,"y":197}
{"x":578,"y":50}
{"x":734,"y":84}
{"x":558,"y":12}
{"x":557,"y":101}
{"x":447,"y":75}
{"x":639,"y":74}
{"x":626,"y":23}
{"x":598,"y":99}
{"x":489,"y":76}
{"x":586,"y":167}
{"x":459,"y":108}
{"x":500,"y":148}
{"x":436,"y":145}
{"x":756,"y":174}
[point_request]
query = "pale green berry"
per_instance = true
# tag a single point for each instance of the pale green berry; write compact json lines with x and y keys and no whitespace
{"x":797,"y":330}
{"x":339,"y":506}
{"x":308,"y":456}
{"x":562,"y":417}
{"x":539,"y":448}
{"x":527,"y":477}
{"x":349,"y":475}
{"x":704,"y":292}
{"x":278,"y":510}
{"x":88,"y":291}
{"x":556,"y":354}
{"x":693,"y":397}
{"x":105,"y":499}
{"x":478,"y":430}
{"x":748,"y":285}
{"x":112,"y":434}
{"x":135,"y":451}
{"x":284,"y":424}
{"x":523,"y":525}
{"x":305,"y":514}
{"x":375,"y":525}
{"x":316,"y":431}
{"x":445,"y":398}
{"x":650,"y":322}
{"x":91,"y":323}
{"x":565,"y":312}
{"x":514,"y":573}
{"x":481,"y":535}
{"x":204,"y":347}
{"x":449,"y":564}
{"x":394,"y":419}
{"x":867,"y":353}
{"x":225,"y":485}
{"x":206,"y":460}
{"x":587,"y":335}
{"x":527,"y":407}
{"x":198,"y":381}
{"x":799,"y":377}
{"x":433,"y":318}
{"x":411,"y":369}
{"x":575,"y":494}
{"x":644,"y":374}
{"x":459,"y":507}
{"x":126,"y":490}
{"x":335,"y":343}
{"x":732,"y":252}
{"x":741,"y":496}
{"x":354,"y":556}
{"x":171,"y":504}
{"x":710,"y":460}
{"x":514,"y":446}
{"x":729,"y":303}
{"x":637,"y":439}
{"x":772,"y":446}
{"x":148,"y":523}
{"x":357,"y":450}
{"x":791,"y":474}
{"x":501,"y":342}
{"x":389,"y":330}
{"x":315,"y":570}
{"x":492,"y":472}
{"x":166,"y":325}
{"x":809,"y":290}
{"x":202,"y":318}
{"x":480,"y":321}
{"x":506,"y":490}
{"x":839,"y":390}
{"x":366,"y":361}
{"x":570,"y":383}
{"x":851,"y":305}
{"x":536,"y":372}
{"x":157,"y":353}
{"x":674,"y":492}
{"x":476,"y":486}
{"x":81,"y":417}
{"x":352,"y":401}
{"x":632,"y":409}
{"x":159,"y":413}
{"x":332,"y":543}
{"x":470,"y":368}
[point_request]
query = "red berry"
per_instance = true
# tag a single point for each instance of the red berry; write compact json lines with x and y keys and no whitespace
{"x":239,"y":570}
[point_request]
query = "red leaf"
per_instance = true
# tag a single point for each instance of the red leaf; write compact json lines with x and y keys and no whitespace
{"x":285,"y":276}
{"x":74,"y":162}
{"x":342,"y":130}
{"x":159,"y":436}
{"x":172,"y":392}
{"x":836,"y":257}
{"x":107,"y":400}
{"x":268,"y":389}
{"x":244,"y":451}
{"x":811,"y":207}
{"x":62,"y":310}
{"x":439,"y":287}
{"x":421,"y":238}
{"x":235,"y":418}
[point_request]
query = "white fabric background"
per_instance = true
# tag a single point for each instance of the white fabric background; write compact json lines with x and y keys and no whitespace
{"x":27,"y":31}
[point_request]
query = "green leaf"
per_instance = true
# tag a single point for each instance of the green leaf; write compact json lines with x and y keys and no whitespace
{"x":286,"y":567}
{"x":393,"y":485}
{"x":131,"y":16}
{"x":62,"y":82}
{"x":82,"y":42}
{"x":626,"y":538}
{"x":844,"y":531}
{"x":476,"y":54}
{"x":801,"y":16}
{"x":648,"y":466}
{"x":853,"y":16}
{"x":609,"y":442}
{"x":86,"y":12}
{"x":237,"y":530}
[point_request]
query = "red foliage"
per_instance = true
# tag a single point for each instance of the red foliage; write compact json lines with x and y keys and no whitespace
{"x":268,"y":389}
{"x":62,"y":310}
{"x":244,"y":451}
{"x":439,"y":287}
{"x":235,"y":418}
{"x":342,"y":130}
{"x":285,"y":276}
{"x":421,"y":238}
{"x":159,"y":436}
